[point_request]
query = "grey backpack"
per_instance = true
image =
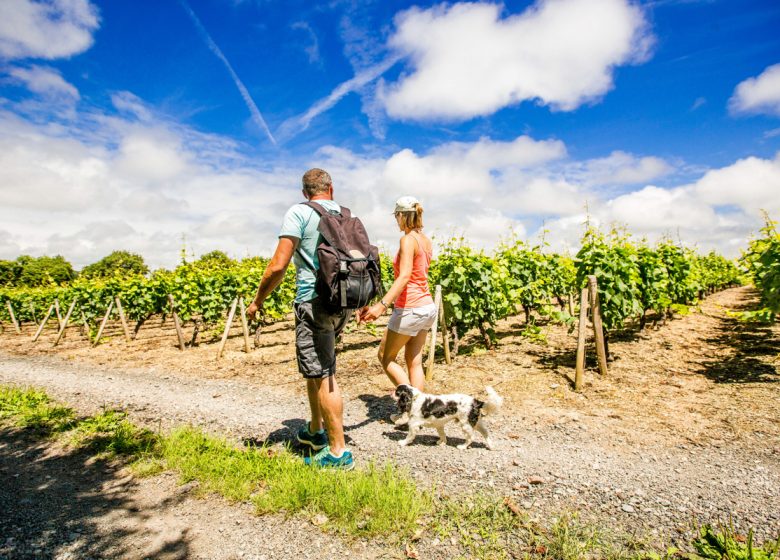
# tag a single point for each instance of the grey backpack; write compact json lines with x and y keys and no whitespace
{"x":349,"y":275}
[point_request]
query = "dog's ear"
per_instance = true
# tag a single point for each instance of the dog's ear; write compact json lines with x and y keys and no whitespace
{"x":404,"y":394}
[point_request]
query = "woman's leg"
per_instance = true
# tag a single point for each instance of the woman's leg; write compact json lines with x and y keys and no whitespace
{"x":413,"y":354}
{"x":391,"y":344}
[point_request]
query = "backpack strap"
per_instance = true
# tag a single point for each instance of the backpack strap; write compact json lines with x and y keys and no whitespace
{"x":306,"y":260}
{"x":321,"y":210}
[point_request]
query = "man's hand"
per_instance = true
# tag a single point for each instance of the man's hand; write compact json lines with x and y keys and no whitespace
{"x":251,"y":311}
{"x":372,"y":313}
{"x":359,"y":314}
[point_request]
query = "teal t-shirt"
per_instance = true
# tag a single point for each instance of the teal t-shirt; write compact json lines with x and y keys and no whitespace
{"x":301,"y":221}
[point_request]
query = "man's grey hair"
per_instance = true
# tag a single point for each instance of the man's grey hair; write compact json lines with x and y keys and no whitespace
{"x":316,"y":181}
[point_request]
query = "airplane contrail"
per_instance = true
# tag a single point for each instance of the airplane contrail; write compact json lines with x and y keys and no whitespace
{"x":294,"y":125}
{"x":250,"y":103}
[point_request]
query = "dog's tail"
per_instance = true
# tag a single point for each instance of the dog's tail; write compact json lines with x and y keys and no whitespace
{"x":493,"y":402}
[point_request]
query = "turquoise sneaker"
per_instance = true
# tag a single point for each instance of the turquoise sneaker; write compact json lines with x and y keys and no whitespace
{"x":316,"y":441}
{"x":324,"y":459}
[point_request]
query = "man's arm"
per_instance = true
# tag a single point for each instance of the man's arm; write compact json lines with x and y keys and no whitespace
{"x":274,"y":273}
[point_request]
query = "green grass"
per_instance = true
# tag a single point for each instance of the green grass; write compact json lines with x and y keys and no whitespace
{"x":367,"y":502}
{"x":110,"y":434}
{"x":374,"y":501}
{"x":31,"y":408}
{"x":487,"y":529}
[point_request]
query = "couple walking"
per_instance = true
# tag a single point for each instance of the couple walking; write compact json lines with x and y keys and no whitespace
{"x":316,"y":328}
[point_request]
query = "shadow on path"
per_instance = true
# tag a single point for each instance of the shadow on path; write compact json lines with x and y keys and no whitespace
{"x":756,"y":346}
{"x":54,"y":500}
{"x":286,"y":437}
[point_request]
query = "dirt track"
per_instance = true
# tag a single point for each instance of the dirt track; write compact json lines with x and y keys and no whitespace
{"x":686,"y":427}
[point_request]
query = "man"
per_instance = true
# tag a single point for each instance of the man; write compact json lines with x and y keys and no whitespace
{"x":315,"y":328}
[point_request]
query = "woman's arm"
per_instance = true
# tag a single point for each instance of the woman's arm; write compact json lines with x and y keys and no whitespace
{"x":405,"y":261}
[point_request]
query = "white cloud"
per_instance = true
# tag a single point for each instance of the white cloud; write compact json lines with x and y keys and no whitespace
{"x":312,"y":50}
{"x":146,"y":184}
{"x":540,"y":196}
{"x":8,"y":244}
{"x":758,"y":95}
{"x":127,"y":102}
{"x":698,"y":103}
{"x":469,"y":60}
{"x":479,"y":188}
{"x":466,"y":169}
{"x":720,"y":210}
{"x":141,"y":187}
{"x":151,"y":155}
{"x":751,"y":184}
{"x":299,"y":123}
{"x":46,"y":172}
{"x":56,"y":29}
{"x":619,"y":168}
{"x":47,"y":82}
{"x":653,"y":210}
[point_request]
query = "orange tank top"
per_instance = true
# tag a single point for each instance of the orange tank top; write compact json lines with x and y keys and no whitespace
{"x":416,"y":293}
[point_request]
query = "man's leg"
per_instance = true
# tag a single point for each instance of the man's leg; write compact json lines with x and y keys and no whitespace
{"x":331,"y":408}
{"x":312,"y":390}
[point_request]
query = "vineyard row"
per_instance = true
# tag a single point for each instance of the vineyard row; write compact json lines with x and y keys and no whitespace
{"x":479,"y":289}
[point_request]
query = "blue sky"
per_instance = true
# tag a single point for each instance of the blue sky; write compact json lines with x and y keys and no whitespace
{"x":137,"y":125}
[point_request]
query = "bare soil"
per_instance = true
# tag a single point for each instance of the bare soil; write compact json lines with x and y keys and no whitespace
{"x":686,"y":426}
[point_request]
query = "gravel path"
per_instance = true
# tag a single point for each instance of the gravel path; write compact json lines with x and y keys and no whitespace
{"x":58,"y":504}
{"x":571,"y":463}
{"x":686,"y":428}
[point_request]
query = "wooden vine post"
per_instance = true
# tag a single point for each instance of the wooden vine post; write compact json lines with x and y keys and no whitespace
{"x":103,"y":323}
{"x":176,"y":322}
{"x":122,"y":319}
{"x":43,"y":323}
{"x":589,"y":294}
{"x":601,"y":349}
{"x":13,"y":317}
{"x":581,"y":332}
{"x":87,"y":330}
{"x":434,"y":330}
{"x":445,"y":334}
{"x":228,"y":324}
{"x":244,"y":324}
{"x":57,"y":310}
{"x":65,"y":323}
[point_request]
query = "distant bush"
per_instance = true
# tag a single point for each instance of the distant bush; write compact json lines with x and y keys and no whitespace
{"x":216,"y":259}
{"x":118,"y":263}
{"x":36,"y":272}
{"x":8,"y":273}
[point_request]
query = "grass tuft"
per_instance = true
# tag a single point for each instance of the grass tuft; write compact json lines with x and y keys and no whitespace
{"x":366,"y":502}
{"x":109,"y":434}
{"x":31,"y":408}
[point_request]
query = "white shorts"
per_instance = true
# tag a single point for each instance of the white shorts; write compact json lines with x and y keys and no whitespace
{"x":412,"y":320}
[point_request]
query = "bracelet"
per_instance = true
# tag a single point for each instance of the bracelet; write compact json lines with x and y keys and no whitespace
{"x":383,"y":303}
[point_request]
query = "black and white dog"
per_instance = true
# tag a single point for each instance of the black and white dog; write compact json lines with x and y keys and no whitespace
{"x":422,"y":410}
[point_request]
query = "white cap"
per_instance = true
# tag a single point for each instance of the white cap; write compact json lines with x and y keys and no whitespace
{"x":405,"y":204}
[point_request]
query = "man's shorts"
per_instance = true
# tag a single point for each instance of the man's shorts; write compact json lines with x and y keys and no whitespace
{"x":411,"y":320}
{"x":316,"y":330}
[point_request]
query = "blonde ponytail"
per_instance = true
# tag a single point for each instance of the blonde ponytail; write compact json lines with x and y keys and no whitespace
{"x":413,"y":219}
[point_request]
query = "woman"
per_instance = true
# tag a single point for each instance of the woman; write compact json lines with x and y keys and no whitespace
{"x":414,"y":311}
